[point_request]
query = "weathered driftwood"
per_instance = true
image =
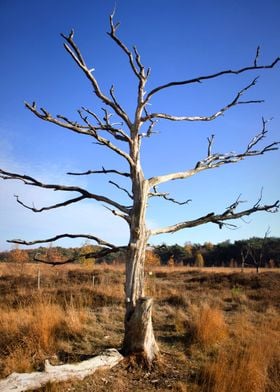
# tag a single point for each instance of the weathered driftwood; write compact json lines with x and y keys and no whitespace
{"x":139,"y":336}
{"x":18,"y":382}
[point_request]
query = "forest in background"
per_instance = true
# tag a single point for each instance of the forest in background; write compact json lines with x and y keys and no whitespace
{"x":258,"y":252}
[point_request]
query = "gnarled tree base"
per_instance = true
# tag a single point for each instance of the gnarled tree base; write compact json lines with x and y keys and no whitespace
{"x":19,"y":382}
{"x":139,"y":335}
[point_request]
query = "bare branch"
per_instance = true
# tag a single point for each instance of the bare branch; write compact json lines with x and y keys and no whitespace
{"x":166,"y":197}
{"x":259,"y":199}
{"x":216,"y":160}
{"x":234,"y":205}
{"x":136,"y":66}
{"x":199,"y":79}
{"x":138,"y":61}
{"x":105,"y":142}
{"x":122,"y":189}
{"x":267,"y":233}
{"x":74,"y":126}
{"x":94,"y":115}
{"x":257,"y":56}
{"x":99,"y":241}
{"x":119,"y":214}
{"x":150,"y":130}
{"x":210,"y":142}
{"x":118,"y":133}
{"x":218,"y":219}
{"x":86,"y":194}
{"x":103,"y":171}
{"x":112,"y":94}
{"x":98,"y":254}
{"x":213,"y":116}
{"x":112,"y":34}
{"x":74,"y":52}
{"x":66,"y":123}
{"x":63,"y":204}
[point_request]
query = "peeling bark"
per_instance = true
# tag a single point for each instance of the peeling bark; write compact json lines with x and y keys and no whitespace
{"x":139,"y":336}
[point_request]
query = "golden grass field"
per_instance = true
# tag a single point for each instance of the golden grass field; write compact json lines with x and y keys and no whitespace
{"x":218,"y":329}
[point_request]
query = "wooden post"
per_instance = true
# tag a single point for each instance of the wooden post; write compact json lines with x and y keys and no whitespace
{"x":39,"y":279}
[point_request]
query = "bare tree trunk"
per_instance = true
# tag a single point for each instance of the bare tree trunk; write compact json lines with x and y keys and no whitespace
{"x":139,"y":335}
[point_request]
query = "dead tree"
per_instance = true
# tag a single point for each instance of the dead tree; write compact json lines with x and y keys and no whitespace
{"x":256,"y":250}
{"x":244,"y":253}
{"x":124,"y":139}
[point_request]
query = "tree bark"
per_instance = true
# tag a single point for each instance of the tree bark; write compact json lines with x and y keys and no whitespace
{"x":19,"y":382}
{"x":139,"y":336}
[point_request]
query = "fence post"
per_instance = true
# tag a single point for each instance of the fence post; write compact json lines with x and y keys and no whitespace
{"x":39,"y":279}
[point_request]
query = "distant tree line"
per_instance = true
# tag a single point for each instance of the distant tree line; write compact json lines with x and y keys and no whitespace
{"x":261,"y":252}
{"x":253,"y":252}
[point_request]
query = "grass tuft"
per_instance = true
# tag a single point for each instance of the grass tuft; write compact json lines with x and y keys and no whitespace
{"x":207,"y":325}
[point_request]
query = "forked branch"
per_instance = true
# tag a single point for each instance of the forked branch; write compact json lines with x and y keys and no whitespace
{"x":103,"y":171}
{"x":58,"y":205}
{"x":219,"y":219}
{"x":98,"y":240}
{"x":200,"y":79}
{"x":236,"y":101}
{"x":75,"y":53}
{"x":126,"y":217}
{"x":105,"y":248}
{"x":136,"y":66}
{"x":214,"y":160}
{"x":88,"y":129}
{"x":56,"y":187}
{"x":165,"y":196}
{"x":134,"y":58}
{"x":121,"y":188}
{"x":96,"y":255}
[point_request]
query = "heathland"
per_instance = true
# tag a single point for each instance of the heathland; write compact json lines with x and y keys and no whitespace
{"x":218,"y":328}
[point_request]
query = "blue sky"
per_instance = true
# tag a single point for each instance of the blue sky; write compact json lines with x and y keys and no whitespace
{"x":178,"y":40}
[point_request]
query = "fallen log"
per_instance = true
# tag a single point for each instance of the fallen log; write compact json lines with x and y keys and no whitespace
{"x":19,"y":382}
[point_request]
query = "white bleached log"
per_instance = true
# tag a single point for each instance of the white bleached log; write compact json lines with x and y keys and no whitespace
{"x":19,"y":382}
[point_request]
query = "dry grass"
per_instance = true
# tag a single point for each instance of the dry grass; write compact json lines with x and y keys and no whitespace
{"x":30,"y":269}
{"x":218,"y":331}
{"x":249,"y":362}
{"x":207,"y":325}
{"x":30,"y":334}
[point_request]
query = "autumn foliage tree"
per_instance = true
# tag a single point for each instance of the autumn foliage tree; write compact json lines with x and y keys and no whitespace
{"x":152,"y":259}
{"x":123,"y":136}
{"x":86,"y":249}
{"x":199,"y":260}
{"x":19,"y":256}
